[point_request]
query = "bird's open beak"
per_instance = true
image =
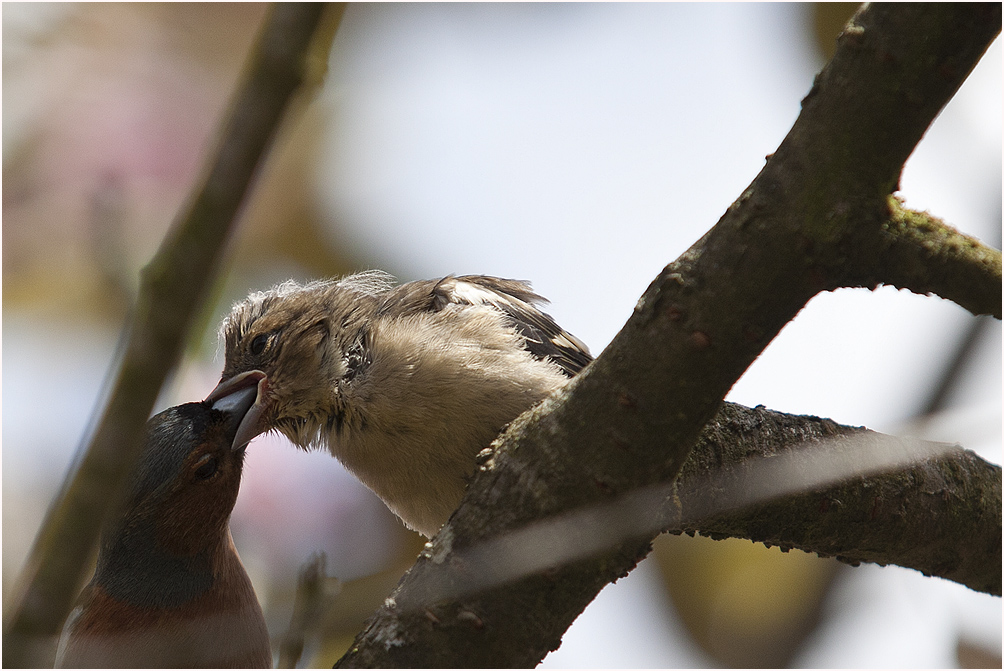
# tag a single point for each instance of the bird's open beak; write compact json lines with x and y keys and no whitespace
{"x":242,"y":395}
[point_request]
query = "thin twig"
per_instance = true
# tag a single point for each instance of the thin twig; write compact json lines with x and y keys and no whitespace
{"x":315,"y":594}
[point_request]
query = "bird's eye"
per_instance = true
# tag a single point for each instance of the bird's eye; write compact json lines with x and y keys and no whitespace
{"x":258,"y":344}
{"x":207,"y":467}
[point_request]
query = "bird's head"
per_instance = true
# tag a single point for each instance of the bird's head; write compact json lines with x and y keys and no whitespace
{"x":186,"y":482}
{"x":160,"y":551}
{"x":297,"y":345}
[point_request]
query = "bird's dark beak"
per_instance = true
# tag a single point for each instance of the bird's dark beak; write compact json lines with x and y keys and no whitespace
{"x":241,"y":397}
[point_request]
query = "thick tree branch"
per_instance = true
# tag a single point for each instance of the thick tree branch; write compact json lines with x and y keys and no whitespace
{"x":173,"y":288}
{"x":628,"y":422}
{"x":787,"y":480}
{"x":841,"y":491}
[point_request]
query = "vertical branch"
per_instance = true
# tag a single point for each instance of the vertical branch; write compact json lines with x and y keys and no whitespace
{"x":173,"y":288}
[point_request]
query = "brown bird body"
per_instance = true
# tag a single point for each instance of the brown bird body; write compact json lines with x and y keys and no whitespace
{"x":169,"y":589}
{"x":404,"y":385}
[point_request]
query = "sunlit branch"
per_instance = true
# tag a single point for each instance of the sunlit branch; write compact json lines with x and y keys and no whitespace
{"x":921,"y":253}
{"x":630,"y":419}
{"x":817,"y":489}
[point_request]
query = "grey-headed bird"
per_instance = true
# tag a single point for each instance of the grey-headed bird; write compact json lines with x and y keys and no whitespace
{"x":169,"y":589}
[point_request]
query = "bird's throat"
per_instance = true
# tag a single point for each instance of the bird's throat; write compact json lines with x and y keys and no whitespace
{"x":134,"y":569}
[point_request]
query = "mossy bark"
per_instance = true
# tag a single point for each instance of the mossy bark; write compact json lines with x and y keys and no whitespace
{"x":816,"y":218}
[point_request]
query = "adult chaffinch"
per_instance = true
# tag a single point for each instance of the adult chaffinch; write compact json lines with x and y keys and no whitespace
{"x":404,"y":385}
{"x":169,"y":589}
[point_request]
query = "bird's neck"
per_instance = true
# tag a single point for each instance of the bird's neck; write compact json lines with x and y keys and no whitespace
{"x":134,"y":568}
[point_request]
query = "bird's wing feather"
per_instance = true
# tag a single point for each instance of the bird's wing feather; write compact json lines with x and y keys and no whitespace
{"x":542,"y":336}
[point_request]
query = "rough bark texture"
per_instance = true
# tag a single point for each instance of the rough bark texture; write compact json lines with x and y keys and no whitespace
{"x":919,"y":252}
{"x":786,"y":480}
{"x":815,"y":219}
{"x":847,"y":492}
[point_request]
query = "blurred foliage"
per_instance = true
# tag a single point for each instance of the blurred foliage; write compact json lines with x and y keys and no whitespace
{"x":284,"y":225}
{"x":107,"y":114}
{"x":746,"y":605}
{"x":828,"y":21}
{"x":973,"y":656}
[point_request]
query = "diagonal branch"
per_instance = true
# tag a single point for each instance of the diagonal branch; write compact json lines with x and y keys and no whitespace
{"x":787,"y":480}
{"x":630,"y":419}
{"x":173,"y":288}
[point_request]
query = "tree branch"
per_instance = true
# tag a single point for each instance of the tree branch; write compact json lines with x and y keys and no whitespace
{"x":787,"y":480}
{"x":921,"y":253}
{"x":841,"y":491}
{"x":173,"y":288}
{"x":628,"y":422}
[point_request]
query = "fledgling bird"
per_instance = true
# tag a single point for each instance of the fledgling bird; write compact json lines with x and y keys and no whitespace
{"x":404,"y":385}
{"x":169,"y":589}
